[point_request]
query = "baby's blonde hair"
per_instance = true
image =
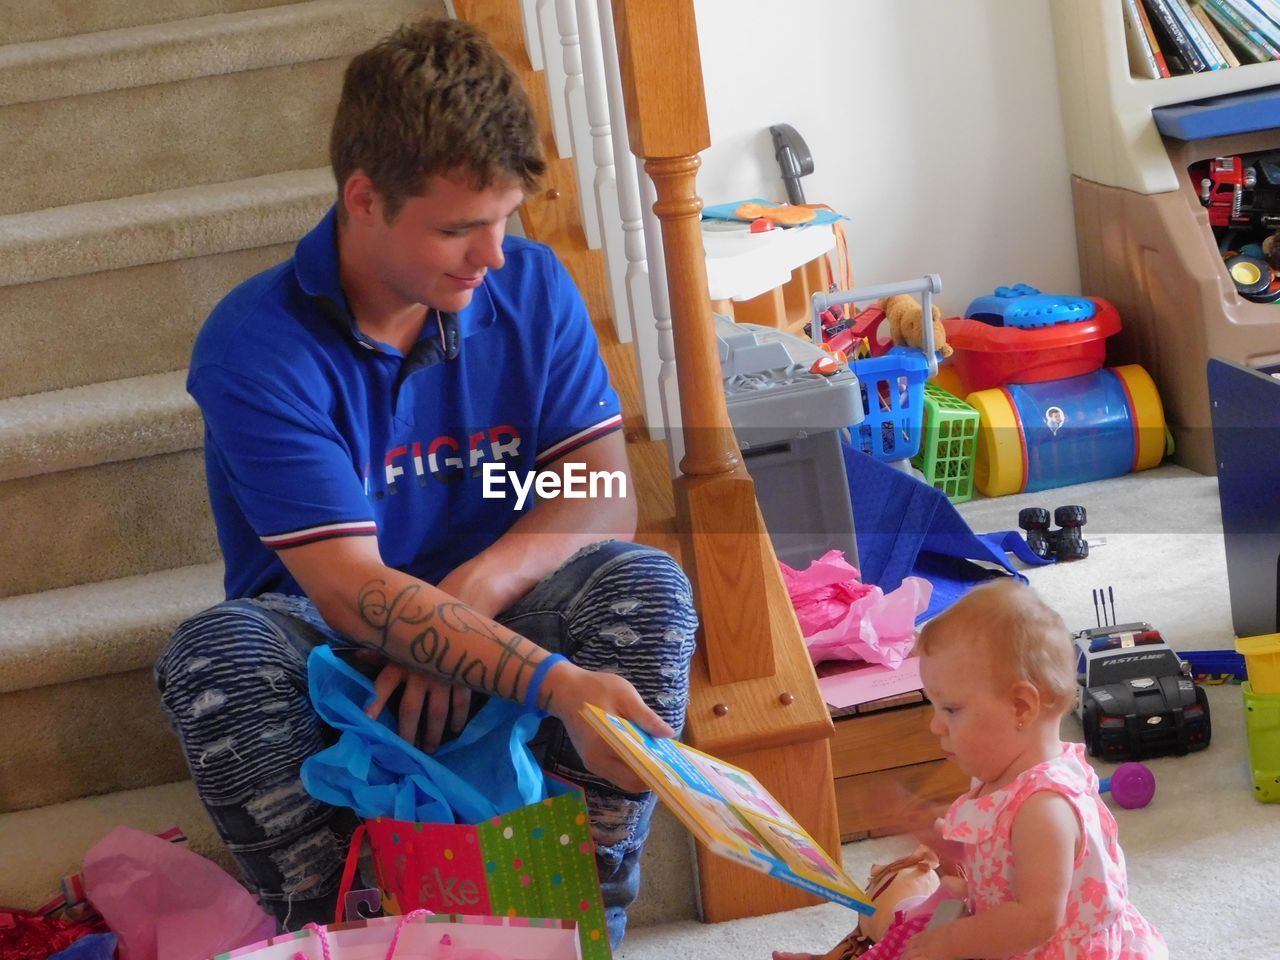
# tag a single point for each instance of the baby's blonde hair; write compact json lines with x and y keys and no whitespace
{"x":1021,"y":633}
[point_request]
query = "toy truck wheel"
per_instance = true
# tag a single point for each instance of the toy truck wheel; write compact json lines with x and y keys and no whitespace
{"x":1072,"y":515}
{"x":1202,"y":700}
{"x":1092,"y":740}
{"x":1033,"y":518}
{"x":1072,"y":548}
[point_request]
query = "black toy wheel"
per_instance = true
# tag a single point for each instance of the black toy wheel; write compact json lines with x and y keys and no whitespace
{"x":1033,"y":518}
{"x":1092,"y":736}
{"x":1072,"y":548}
{"x":1072,"y":515}
{"x":1202,"y":700}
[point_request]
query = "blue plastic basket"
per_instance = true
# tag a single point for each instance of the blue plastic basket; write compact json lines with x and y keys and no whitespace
{"x":893,"y":403}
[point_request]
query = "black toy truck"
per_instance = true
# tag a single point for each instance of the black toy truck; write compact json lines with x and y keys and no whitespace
{"x":1136,"y":698}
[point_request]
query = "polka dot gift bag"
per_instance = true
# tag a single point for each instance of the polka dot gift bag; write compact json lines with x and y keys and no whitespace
{"x":475,"y":828}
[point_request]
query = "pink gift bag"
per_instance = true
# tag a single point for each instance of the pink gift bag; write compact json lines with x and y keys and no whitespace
{"x":422,"y":936}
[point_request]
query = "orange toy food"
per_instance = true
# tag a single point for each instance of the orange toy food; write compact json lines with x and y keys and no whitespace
{"x":784,"y":214}
{"x":789,"y":215}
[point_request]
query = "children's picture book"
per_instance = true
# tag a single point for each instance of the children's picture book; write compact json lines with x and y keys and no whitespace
{"x":1142,"y":55}
{"x":729,"y":811}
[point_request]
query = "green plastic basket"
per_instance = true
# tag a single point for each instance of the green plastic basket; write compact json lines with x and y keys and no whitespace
{"x":948,"y":440}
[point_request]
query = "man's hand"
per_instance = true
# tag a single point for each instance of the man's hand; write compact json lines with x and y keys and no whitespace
{"x":570,"y":687}
{"x":444,"y":704}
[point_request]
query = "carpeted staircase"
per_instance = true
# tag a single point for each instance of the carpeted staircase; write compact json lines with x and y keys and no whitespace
{"x":156,"y":153}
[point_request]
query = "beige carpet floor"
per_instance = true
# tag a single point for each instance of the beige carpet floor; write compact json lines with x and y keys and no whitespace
{"x":1204,"y":857}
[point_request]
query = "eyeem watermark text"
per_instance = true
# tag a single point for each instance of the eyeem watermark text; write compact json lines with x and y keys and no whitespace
{"x":574,"y":482}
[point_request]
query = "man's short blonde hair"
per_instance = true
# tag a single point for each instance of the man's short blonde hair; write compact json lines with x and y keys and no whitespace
{"x":1022,"y":634}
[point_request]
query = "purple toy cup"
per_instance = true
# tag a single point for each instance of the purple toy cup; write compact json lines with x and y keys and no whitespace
{"x":1132,"y":785}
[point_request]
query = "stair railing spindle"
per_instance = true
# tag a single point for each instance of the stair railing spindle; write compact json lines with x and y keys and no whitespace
{"x":605,"y":182}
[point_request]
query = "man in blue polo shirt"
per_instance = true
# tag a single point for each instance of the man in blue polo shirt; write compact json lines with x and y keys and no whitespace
{"x":376,"y":409}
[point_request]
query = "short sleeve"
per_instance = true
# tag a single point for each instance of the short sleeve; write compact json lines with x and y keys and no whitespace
{"x":580,"y":404}
{"x":292,"y":476}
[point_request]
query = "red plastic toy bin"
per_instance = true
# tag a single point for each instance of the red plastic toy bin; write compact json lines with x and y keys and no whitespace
{"x":989,"y":356}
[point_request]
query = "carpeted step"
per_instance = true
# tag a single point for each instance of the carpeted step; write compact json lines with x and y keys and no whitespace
{"x":77,"y":701}
{"x":38,"y":847}
{"x":118,"y":288}
{"x":22,"y":21}
{"x":98,"y":423}
{"x":223,"y":97}
{"x":101,"y":482}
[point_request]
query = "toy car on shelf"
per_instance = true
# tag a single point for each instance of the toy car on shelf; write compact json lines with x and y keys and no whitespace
{"x":1241,"y":191}
{"x":1135,"y":696}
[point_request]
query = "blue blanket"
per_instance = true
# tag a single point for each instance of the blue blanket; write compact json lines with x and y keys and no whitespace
{"x":905,"y":527}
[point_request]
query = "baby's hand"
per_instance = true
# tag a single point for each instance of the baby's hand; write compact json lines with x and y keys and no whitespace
{"x":928,"y":945}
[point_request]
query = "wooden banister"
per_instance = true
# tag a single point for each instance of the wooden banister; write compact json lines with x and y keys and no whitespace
{"x":754,"y":698}
{"x":715,"y":497}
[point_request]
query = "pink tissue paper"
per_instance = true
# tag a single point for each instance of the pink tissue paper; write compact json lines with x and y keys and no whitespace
{"x":167,"y":903}
{"x":843,"y":618}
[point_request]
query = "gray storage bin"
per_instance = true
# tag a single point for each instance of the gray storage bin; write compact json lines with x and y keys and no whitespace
{"x":788,"y":422}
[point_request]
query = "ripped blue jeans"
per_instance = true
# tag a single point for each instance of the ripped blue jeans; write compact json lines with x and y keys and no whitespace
{"x":233,"y":680}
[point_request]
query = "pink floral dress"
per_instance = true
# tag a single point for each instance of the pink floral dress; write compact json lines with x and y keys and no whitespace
{"x":1101,"y":923}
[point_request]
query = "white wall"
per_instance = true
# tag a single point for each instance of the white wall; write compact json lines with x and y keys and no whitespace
{"x":934,"y":126}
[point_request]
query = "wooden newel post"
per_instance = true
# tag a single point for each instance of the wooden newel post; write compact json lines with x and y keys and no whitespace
{"x":754,"y":699}
{"x":667,"y":127}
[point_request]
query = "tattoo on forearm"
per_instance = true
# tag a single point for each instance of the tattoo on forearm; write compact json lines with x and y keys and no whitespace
{"x":428,"y":628}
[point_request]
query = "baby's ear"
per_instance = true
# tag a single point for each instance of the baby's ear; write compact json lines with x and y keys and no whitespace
{"x":1027,"y":703}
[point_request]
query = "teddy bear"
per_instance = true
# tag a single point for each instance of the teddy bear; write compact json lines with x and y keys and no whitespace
{"x":906,"y":325}
{"x":1271,"y":250}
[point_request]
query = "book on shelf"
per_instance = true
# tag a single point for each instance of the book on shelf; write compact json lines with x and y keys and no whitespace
{"x":1267,"y":20}
{"x":1269,"y":8}
{"x":1196,"y":34}
{"x":1216,"y":35}
{"x":728,"y":810}
{"x":1260,"y":23}
{"x":1161,"y":65}
{"x":1246,"y":47}
{"x":1142,"y":53}
{"x":1245,"y":26}
{"x":1179,"y":51}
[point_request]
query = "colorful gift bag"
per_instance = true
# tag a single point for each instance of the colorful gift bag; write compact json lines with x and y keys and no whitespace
{"x":473,"y":828}
{"x":421,"y":937}
{"x":537,"y":861}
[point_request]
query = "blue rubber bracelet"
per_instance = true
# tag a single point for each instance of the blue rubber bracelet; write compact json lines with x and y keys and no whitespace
{"x":540,"y":674}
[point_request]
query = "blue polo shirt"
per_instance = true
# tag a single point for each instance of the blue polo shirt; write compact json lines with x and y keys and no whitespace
{"x":314,"y":430}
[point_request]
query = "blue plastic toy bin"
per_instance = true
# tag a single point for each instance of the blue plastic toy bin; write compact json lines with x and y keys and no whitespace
{"x":892,"y":402}
{"x":892,"y":384}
